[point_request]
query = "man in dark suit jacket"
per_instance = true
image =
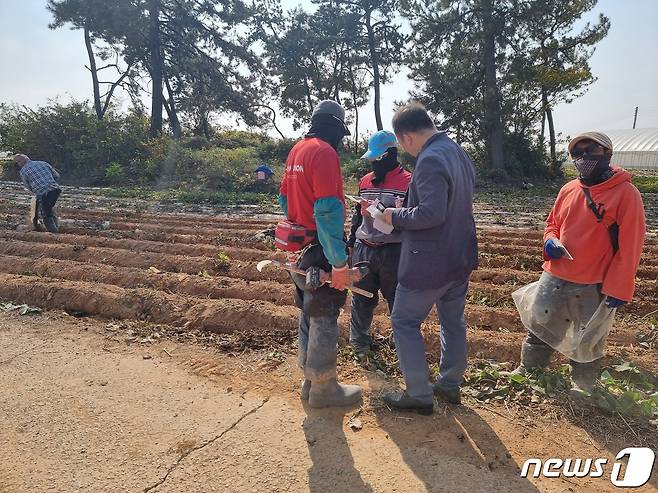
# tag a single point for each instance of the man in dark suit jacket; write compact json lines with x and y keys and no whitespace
{"x":439,"y":252}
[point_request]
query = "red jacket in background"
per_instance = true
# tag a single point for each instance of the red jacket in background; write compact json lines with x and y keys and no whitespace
{"x":588,"y":241}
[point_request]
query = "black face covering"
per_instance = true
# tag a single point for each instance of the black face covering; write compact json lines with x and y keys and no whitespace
{"x":388,"y":162}
{"x":328,"y":128}
{"x":593,"y":169}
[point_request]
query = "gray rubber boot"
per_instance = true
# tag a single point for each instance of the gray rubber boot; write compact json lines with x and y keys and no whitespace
{"x":584,"y":376}
{"x":533,"y":357}
{"x":306,"y":389}
{"x":333,"y":394}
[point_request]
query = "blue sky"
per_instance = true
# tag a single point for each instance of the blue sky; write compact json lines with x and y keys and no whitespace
{"x":39,"y":64}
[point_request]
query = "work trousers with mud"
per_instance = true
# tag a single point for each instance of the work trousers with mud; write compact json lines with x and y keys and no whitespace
{"x":561,"y":310}
{"x":382,"y":276}
{"x":318,"y":320}
{"x":577,"y":369}
{"x":45,"y":204}
{"x":411,"y":308}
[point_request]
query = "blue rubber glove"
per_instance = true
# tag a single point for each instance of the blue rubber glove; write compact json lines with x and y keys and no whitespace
{"x":551,"y":249}
{"x":614,"y":302}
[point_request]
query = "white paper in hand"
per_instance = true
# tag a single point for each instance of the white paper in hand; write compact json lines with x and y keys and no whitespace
{"x":559,"y":244}
{"x":353,"y":198}
{"x":378,"y":220}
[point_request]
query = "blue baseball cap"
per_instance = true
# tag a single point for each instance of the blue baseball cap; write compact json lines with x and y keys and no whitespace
{"x":378,"y":143}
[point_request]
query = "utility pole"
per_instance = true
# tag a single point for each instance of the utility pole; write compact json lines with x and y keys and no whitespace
{"x":635,"y":117}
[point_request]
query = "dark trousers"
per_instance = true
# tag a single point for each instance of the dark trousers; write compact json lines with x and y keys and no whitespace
{"x":45,"y":204}
{"x":318,"y":320}
{"x":382,"y":276}
{"x":576,"y":368}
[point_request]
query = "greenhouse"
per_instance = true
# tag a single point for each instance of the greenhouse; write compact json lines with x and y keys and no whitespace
{"x":637,"y":148}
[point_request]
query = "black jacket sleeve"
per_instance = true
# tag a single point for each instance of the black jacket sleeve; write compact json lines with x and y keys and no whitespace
{"x":357,"y":219}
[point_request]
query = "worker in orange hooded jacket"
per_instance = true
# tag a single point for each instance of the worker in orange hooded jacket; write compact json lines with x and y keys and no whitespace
{"x":592,"y":247}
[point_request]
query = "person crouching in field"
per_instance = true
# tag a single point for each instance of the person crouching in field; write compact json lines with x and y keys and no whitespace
{"x":40,"y":178}
{"x":388,"y":183}
{"x":592,"y":246}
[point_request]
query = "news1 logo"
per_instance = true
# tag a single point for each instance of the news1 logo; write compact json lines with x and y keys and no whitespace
{"x":638,"y":468}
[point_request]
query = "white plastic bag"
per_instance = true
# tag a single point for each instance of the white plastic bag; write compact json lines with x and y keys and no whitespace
{"x":571,"y":318}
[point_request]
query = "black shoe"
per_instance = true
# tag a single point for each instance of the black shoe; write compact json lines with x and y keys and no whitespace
{"x":453,"y":396}
{"x":362,"y":353}
{"x":401,"y":401}
{"x":51,"y":225}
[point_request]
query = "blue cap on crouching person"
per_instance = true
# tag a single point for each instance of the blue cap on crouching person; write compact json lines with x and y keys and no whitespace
{"x":378,"y":143}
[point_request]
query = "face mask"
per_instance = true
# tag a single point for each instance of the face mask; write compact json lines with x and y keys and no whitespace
{"x":388,"y":162}
{"x":590,"y":166}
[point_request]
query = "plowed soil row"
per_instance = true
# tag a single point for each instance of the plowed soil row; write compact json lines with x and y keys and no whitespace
{"x":223,"y":287}
{"x":224,"y":315}
{"x":163,"y":268}
{"x":127,"y":277}
{"x":194,"y":250}
{"x":191,"y":229}
{"x":75,"y":249}
{"x":211,"y":251}
{"x":225,"y":222}
{"x":504,"y":242}
{"x":501,"y":316}
{"x":649,"y":258}
{"x":255,"y":318}
{"x":533,"y":263}
{"x":188,"y":239}
{"x":144,"y":260}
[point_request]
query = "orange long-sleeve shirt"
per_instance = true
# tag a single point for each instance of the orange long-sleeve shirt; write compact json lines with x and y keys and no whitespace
{"x":588,"y":241}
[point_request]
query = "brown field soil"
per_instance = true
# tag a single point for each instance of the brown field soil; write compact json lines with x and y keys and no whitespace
{"x":194,"y":276}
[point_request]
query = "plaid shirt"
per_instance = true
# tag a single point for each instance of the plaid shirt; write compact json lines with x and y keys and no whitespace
{"x":39,"y":177}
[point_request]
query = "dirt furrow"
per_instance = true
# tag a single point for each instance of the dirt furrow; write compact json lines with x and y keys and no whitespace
{"x":189,"y":229}
{"x":194,"y":250}
{"x":107,"y":301}
{"x":143,"y":260}
{"x":188,"y":239}
{"x":221,"y":221}
{"x":649,"y":259}
{"x":530,"y":263}
{"x":126,"y":277}
{"x":520,"y":245}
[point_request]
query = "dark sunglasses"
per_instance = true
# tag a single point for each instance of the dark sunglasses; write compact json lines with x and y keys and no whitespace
{"x":577,"y":152}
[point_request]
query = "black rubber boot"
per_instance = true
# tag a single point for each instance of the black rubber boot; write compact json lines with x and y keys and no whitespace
{"x":533,"y":357}
{"x":50,"y":222}
{"x":402,"y":401}
{"x":584,"y":376}
{"x":453,"y":396}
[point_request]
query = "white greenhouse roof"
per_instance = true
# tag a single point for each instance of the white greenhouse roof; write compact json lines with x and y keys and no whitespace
{"x":637,"y":140}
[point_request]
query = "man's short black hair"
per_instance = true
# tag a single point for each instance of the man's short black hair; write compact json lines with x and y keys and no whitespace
{"x":412,"y":117}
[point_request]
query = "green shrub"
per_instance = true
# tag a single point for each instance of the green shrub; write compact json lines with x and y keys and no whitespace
{"x":646,"y":184}
{"x":275,"y":152}
{"x":233,"y":139}
{"x":70,"y":137}
{"x":9,"y":170}
{"x":195,"y":142}
{"x":355,"y":168}
{"x":114,"y":173}
{"x":227,"y":169}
